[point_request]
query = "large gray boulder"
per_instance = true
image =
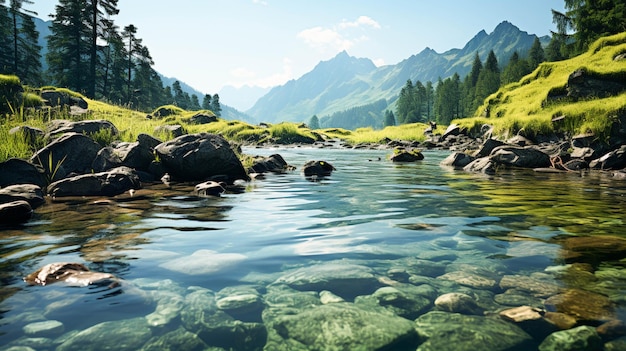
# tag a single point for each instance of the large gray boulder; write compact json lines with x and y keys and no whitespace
{"x":134,"y":155}
{"x":339,"y":326}
{"x":17,"y":171}
{"x":525,"y":157}
{"x":110,"y":183}
{"x":70,"y":153}
{"x":15,"y":212}
{"x":58,"y":127}
{"x":30,"y":193}
{"x":200,"y":157}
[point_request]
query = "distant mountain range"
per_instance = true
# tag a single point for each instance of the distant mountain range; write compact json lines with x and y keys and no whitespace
{"x":345,"y":82}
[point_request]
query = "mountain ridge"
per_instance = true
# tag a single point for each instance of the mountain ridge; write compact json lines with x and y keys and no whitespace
{"x":299,"y":99}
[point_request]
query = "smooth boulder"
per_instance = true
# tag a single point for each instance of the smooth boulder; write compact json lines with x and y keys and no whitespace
{"x":317,"y":168}
{"x":17,"y":171}
{"x":31,"y":193}
{"x":200,"y":157}
{"x":110,"y":183}
{"x":70,"y":153}
{"x":15,"y":212}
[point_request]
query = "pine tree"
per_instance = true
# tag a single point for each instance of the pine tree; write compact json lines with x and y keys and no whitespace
{"x":515,"y":70}
{"x":133,"y":49}
{"x":390,"y":119}
{"x":536,"y":55}
{"x":488,"y":80}
{"x":6,"y":49}
{"x":206,"y":102}
{"x":195,"y":103}
{"x":29,"y":51}
{"x":99,"y":11}
{"x":67,"y":47}
{"x":314,"y":122}
{"x":215,"y":105}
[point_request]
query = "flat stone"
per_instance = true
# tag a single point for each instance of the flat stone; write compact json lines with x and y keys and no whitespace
{"x":471,"y":280}
{"x":204,"y":262}
{"x":340,"y":326}
{"x":531,"y":320}
{"x":583,"y":305}
{"x":534,"y":286}
{"x":44,"y":329}
{"x":129,"y":334}
{"x":458,"y":303}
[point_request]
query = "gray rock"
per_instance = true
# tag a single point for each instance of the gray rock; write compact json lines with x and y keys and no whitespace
{"x":481,"y":165}
{"x":16,"y":171}
{"x":168,"y":309}
{"x":129,"y":334}
{"x":525,"y":157}
{"x":174,"y":130}
{"x":209,"y":188}
{"x":73,"y":152}
{"x":199,"y":157}
{"x":613,"y":160}
{"x":327,"y":297}
{"x":110,"y":183}
{"x":458,"y":303}
{"x":537,"y":287}
{"x":82,"y":127}
{"x":470,"y":279}
{"x":406,"y":155}
{"x":580,"y":338}
{"x":273,"y":163}
{"x":203,"y":118}
{"x":531,"y":320}
{"x":317,"y":169}
{"x":148,"y":141}
{"x":457,"y":160}
{"x":443,"y":331}
{"x":452,"y":130}
{"x":30,"y":193}
{"x":487,"y":147}
{"x":242,"y":303}
{"x":345,"y":280}
{"x":133,"y":155}
{"x":15,"y":212}
{"x":340,"y":326}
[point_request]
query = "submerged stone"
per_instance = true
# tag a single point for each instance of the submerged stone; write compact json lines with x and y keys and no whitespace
{"x":443,"y":331}
{"x":179,"y":339}
{"x":340,"y":326}
{"x":583,"y":305}
{"x":44,"y":329}
{"x":129,"y":334}
{"x":458,"y":303}
{"x":580,"y":338}
{"x":204,"y":262}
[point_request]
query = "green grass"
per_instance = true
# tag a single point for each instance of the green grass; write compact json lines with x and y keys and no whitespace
{"x":525,"y":106}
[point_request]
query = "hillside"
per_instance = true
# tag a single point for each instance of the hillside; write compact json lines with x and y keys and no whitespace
{"x":345,"y":82}
{"x":583,"y":95}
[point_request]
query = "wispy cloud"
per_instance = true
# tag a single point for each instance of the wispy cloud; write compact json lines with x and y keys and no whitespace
{"x":341,"y":36}
{"x":244,"y":76}
{"x":260,"y":2}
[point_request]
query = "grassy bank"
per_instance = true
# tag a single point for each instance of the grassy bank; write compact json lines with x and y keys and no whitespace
{"x":529,"y":106}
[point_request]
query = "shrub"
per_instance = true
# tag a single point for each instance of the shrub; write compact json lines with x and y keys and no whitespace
{"x":10,"y":94}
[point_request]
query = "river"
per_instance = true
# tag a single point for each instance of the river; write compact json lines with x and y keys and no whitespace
{"x":414,"y":225}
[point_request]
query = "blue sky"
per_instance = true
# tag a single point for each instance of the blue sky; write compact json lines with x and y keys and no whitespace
{"x":212,"y":43}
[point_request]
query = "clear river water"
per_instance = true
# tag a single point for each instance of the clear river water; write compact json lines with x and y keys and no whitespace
{"x":244,"y":271}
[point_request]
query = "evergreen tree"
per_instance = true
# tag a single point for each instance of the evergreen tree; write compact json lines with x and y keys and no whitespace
{"x":430,"y":97}
{"x":406,"y":103}
{"x":67,"y":46}
{"x":556,"y":49}
{"x":179,"y":95}
{"x":390,"y":119}
{"x":469,"y":86}
{"x":195,"y":103}
{"x":215,"y":105}
{"x":23,"y":57}
{"x":488,"y":80}
{"x":29,"y":51}
{"x":6,"y":49}
{"x":589,"y":20}
{"x":536,"y":55}
{"x":447,"y":104}
{"x":112,"y":79}
{"x":314,"y":122}
{"x":133,"y":49}
{"x":206,"y":102}
{"x":98,"y":13}
{"x":515,"y":70}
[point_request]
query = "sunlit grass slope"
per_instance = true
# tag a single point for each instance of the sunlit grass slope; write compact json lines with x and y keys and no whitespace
{"x":525,"y":107}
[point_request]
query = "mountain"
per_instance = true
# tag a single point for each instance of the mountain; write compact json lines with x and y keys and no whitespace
{"x":241,"y":98}
{"x":345,"y":82}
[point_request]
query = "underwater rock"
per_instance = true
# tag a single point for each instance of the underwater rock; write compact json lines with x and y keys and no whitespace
{"x":531,"y":320}
{"x":204,"y":262}
{"x":179,"y":339}
{"x":404,"y":302}
{"x":129,"y":334}
{"x":241,"y":302}
{"x":458,"y":303}
{"x":345,"y":280}
{"x":339,"y":326}
{"x":592,"y":249}
{"x":537,"y":287}
{"x":168,"y":308}
{"x":583,"y":305}
{"x":49,"y":328}
{"x":71,"y":273}
{"x":471,"y":280}
{"x":580,"y":338}
{"x":443,"y":331}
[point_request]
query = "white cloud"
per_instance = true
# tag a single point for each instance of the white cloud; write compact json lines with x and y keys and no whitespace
{"x":340,"y":37}
{"x":260,"y":2}
{"x":379,"y":62}
{"x":361,"y":21}
{"x":243,"y":72}
{"x":243,"y":76}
